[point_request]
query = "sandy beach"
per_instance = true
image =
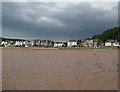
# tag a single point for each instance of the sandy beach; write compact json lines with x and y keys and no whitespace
{"x":34,"y":69}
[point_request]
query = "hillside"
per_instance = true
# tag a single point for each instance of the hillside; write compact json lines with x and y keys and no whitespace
{"x":113,"y":33}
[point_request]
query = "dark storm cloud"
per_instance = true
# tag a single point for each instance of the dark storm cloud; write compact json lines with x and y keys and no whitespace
{"x":57,"y":21}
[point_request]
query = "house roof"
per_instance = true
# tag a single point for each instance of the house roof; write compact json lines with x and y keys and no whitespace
{"x":110,"y":41}
{"x":58,"y":42}
{"x":72,"y":41}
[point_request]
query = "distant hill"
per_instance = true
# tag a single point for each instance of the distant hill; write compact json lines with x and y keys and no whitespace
{"x":10,"y":39}
{"x":113,"y":33}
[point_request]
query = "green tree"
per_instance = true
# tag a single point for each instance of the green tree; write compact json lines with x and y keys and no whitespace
{"x":113,"y":33}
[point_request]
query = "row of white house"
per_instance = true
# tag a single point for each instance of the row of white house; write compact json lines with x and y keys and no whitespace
{"x":112,"y":43}
{"x":13,"y":44}
{"x":88,"y":43}
{"x":70,"y":43}
{"x":38,"y":43}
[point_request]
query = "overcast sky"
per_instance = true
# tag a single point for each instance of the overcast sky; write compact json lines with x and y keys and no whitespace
{"x":57,"y":20}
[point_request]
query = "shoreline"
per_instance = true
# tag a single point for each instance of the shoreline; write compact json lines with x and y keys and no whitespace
{"x":67,"y":49}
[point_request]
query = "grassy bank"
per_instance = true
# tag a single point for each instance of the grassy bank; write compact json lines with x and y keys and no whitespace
{"x":63,"y":48}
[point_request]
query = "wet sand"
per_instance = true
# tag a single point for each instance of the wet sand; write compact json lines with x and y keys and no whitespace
{"x":27,"y":69}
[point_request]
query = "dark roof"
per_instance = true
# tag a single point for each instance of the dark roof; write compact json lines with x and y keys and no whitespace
{"x":58,"y":42}
{"x":72,"y":40}
{"x":110,"y":41}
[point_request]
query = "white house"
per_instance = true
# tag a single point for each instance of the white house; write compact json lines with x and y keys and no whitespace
{"x":26,"y":44}
{"x":58,"y":44}
{"x":3,"y":43}
{"x":32,"y":43}
{"x":84,"y":43}
{"x":96,"y":43}
{"x":21,"y":43}
{"x":90,"y":43}
{"x":109,"y":43}
{"x":16,"y":43}
{"x":71,"y":43}
{"x":116,"y":44}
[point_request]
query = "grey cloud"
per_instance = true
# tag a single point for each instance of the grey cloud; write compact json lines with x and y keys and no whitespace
{"x":57,"y":21}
